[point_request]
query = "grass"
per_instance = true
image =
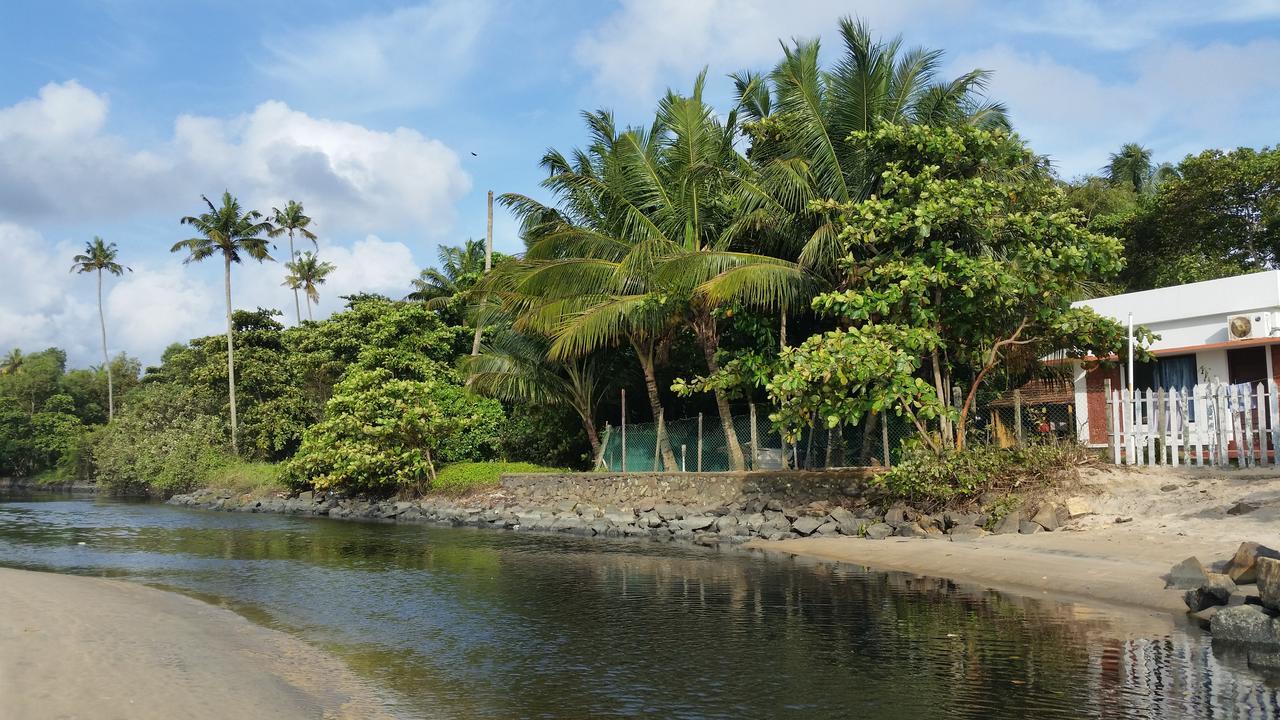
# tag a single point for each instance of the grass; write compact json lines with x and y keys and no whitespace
{"x":244,"y":476}
{"x":461,"y":478}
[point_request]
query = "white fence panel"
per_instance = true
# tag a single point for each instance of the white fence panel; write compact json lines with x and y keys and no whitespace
{"x":1207,"y":424}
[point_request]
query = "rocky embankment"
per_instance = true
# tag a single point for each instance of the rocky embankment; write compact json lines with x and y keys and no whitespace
{"x":709,"y":509}
{"x":1240,"y":605}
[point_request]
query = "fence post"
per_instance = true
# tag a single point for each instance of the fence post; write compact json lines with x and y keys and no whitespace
{"x":1111,"y":438}
{"x":683,"y":449}
{"x":604,"y":447}
{"x":699,"y":442}
{"x":755,"y":438}
{"x":624,"y":430}
{"x":1017,"y":415}
{"x":884,"y":440}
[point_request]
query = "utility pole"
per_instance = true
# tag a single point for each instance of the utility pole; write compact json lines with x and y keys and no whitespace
{"x":488,"y":265}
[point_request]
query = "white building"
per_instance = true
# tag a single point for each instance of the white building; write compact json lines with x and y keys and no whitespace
{"x":1226,"y":330}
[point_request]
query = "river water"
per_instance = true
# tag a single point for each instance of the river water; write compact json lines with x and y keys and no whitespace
{"x":470,"y":623}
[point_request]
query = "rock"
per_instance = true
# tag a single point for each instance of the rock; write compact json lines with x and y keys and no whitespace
{"x":568,"y":522}
{"x":1187,"y":575}
{"x":1269,"y":582}
{"x":697,"y":522}
{"x":956,"y":519}
{"x":1123,"y":520}
{"x":910,"y":529}
{"x":1168,"y":488}
{"x":841,"y":516}
{"x":1077,"y":507}
{"x":306,"y":496}
{"x":830,"y":527}
{"x":670,"y":512}
{"x":929,"y":523}
{"x":1244,"y":623}
{"x":1243,"y":567}
{"x":967,"y":532}
{"x":752,"y":521}
{"x":806,"y":525}
{"x":727,"y":524}
{"x":1204,"y":617}
{"x":1029,"y":527}
{"x":895,"y":516}
{"x":1047,"y":517}
{"x":1241,"y":508}
{"x":1215,"y":592}
{"x":879,"y":531}
{"x":1008,"y":524}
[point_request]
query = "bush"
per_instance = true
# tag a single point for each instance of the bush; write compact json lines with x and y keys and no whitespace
{"x":460,"y":478}
{"x":246,"y":476}
{"x":928,"y":480}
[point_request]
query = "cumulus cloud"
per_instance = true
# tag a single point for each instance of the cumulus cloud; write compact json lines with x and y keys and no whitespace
{"x":58,"y":160}
{"x":407,"y":57}
{"x":1130,"y":25}
{"x":40,"y":306}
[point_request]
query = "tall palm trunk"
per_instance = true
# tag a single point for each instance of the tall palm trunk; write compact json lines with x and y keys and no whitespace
{"x":645,"y":355}
{"x":705,"y":330}
{"x":310,"y":317}
{"x":106,"y":358}
{"x":294,"y":258}
{"x":231,"y":361}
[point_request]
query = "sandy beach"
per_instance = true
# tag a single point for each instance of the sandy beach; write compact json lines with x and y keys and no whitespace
{"x":80,"y":647}
{"x":1170,"y":514}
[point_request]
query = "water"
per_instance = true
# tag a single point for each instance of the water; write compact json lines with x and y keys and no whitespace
{"x":478,"y":623}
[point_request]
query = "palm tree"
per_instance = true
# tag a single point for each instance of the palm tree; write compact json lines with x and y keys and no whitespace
{"x":514,"y":367}
{"x":460,"y":269}
{"x":292,"y":220}
{"x":306,"y":272}
{"x":12,"y":362}
{"x":228,"y":230}
{"x":1131,"y":166}
{"x":97,"y":257}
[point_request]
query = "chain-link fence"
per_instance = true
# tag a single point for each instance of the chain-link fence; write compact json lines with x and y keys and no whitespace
{"x":698,"y":444}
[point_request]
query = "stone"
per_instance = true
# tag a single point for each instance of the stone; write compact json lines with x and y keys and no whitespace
{"x":1269,"y":582}
{"x":1241,"y":508}
{"x":752,"y":522}
{"x":1187,"y":575}
{"x":830,"y":527}
{"x":1215,"y":592}
{"x":806,"y":525}
{"x":697,"y":522}
{"x":895,"y":515}
{"x":1008,"y":524}
{"x":1244,"y":624}
{"x":879,"y":531}
{"x":929,"y":523}
{"x":1077,"y":507}
{"x":910,"y":529}
{"x":1204,"y":618}
{"x":307,"y":496}
{"x":956,"y":519}
{"x":1168,"y":488}
{"x":1047,"y":517}
{"x":1243,"y":567}
{"x":841,"y":516}
{"x":670,"y":512}
{"x":966,"y":532}
{"x":1029,"y":527}
{"x":1120,"y":520}
{"x":726,"y":524}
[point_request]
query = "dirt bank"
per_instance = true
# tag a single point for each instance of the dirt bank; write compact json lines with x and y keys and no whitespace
{"x":1170,"y":515}
{"x":79,"y":647}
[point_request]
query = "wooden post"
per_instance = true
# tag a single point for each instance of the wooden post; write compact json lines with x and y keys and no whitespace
{"x":1158,"y":416}
{"x":624,"y":429}
{"x":1274,"y":404}
{"x":1114,"y":421}
{"x":699,"y":442}
{"x":1110,"y":424}
{"x":884,"y":440}
{"x":1017,"y":415}
{"x":755,"y":437}
{"x":808,"y":451}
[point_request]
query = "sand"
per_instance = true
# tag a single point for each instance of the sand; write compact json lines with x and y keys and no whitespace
{"x":80,"y":647}
{"x":1176,"y":513}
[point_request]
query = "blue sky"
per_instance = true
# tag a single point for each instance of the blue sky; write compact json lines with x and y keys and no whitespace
{"x":116,"y":115}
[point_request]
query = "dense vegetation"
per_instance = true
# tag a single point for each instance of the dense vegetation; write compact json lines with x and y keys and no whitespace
{"x":856,"y":237}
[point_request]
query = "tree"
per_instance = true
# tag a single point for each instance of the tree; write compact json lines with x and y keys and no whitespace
{"x":1130,"y":167}
{"x":12,"y":362}
{"x":292,"y":220}
{"x":99,"y":256}
{"x":231,"y":232}
{"x":306,"y":273}
{"x":964,"y":252}
{"x":461,"y":267}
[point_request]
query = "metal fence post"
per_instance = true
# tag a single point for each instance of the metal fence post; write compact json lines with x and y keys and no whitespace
{"x":624,"y":430}
{"x":699,"y":442}
{"x":683,"y":449}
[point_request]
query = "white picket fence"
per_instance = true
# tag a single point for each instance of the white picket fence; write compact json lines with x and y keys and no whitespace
{"x":1208,"y":424}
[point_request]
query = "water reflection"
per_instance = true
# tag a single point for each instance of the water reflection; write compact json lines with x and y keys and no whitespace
{"x":469,"y":623}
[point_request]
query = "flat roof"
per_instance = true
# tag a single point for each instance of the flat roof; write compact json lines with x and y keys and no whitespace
{"x":1221,"y":297}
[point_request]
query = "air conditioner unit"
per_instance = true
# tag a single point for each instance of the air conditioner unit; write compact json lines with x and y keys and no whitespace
{"x":1246,"y":327}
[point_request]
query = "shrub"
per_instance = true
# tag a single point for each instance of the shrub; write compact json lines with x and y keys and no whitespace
{"x":460,"y":478}
{"x":929,"y":480}
{"x":246,"y":476}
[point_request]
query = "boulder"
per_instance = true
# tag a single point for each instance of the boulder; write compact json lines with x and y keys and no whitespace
{"x":806,"y":525}
{"x":896,"y":515}
{"x":1243,"y":567}
{"x":1047,"y":517}
{"x":727,"y":524}
{"x":957,"y":519}
{"x":1269,"y":582}
{"x":1245,"y":624}
{"x":696,"y":522}
{"x":1204,"y":618}
{"x":1029,"y":527}
{"x":1215,"y":592}
{"x":830,"y":527}
{"x":910,"y":529}
{"x":879,"y":531}
{"x":1008,"y":524}
{"x":967,"y":532}
{"x":1077,"y":507}
{"x":1187,"y":575}
{"x":841,"y":516}
{"x":1242,"y":508}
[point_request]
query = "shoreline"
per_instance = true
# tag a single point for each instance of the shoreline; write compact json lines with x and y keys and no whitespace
{"x":70,"y":642}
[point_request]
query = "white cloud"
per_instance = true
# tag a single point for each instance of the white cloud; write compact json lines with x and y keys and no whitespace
{"x":57,"y":160}
{"x":40,"y":306}
{"x":633,"y":52}
{"x":408,"y":57}
{"x":1130,"y":25}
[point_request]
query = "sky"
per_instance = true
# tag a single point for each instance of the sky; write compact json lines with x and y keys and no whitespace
{"x":391,"y":120}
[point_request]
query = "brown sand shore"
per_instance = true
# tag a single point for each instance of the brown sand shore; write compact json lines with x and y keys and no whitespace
{"x":1174,"y":514}
{"x":80,"y":647}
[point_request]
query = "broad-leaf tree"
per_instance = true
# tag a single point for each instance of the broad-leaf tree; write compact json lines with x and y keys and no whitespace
{"x":292,"y":220}
{"x":99,"y":257}
{"x":233,"y":233}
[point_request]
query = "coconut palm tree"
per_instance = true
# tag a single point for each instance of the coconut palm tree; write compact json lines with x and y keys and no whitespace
{"x":514,"y":367}
{"x":100,"y":256}
{"x":227,"y":230}
{"x":306,"y":273}
{"x":292,"y":220}
{"x":460,"y":268}
{"x":1131,"y":167}
{"x":12,"y":362}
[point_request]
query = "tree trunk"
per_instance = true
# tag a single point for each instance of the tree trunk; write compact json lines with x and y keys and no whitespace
{"x":655,"y":405}
{"x":294,"y":258}
{"x":309,"y":315}
{"x":106,"y":357}
{"x":475,"y":341}
{"x":231,"y":362}
{"x":710,"y":342}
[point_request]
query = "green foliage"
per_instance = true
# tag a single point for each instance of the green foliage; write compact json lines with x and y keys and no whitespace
{"x":464,"y":477}
{"x":929,"y":480}
{"x":548,"y":434}
{"x":243,"y":476}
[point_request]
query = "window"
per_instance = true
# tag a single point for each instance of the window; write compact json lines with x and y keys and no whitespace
{"x":1171,"y":372}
